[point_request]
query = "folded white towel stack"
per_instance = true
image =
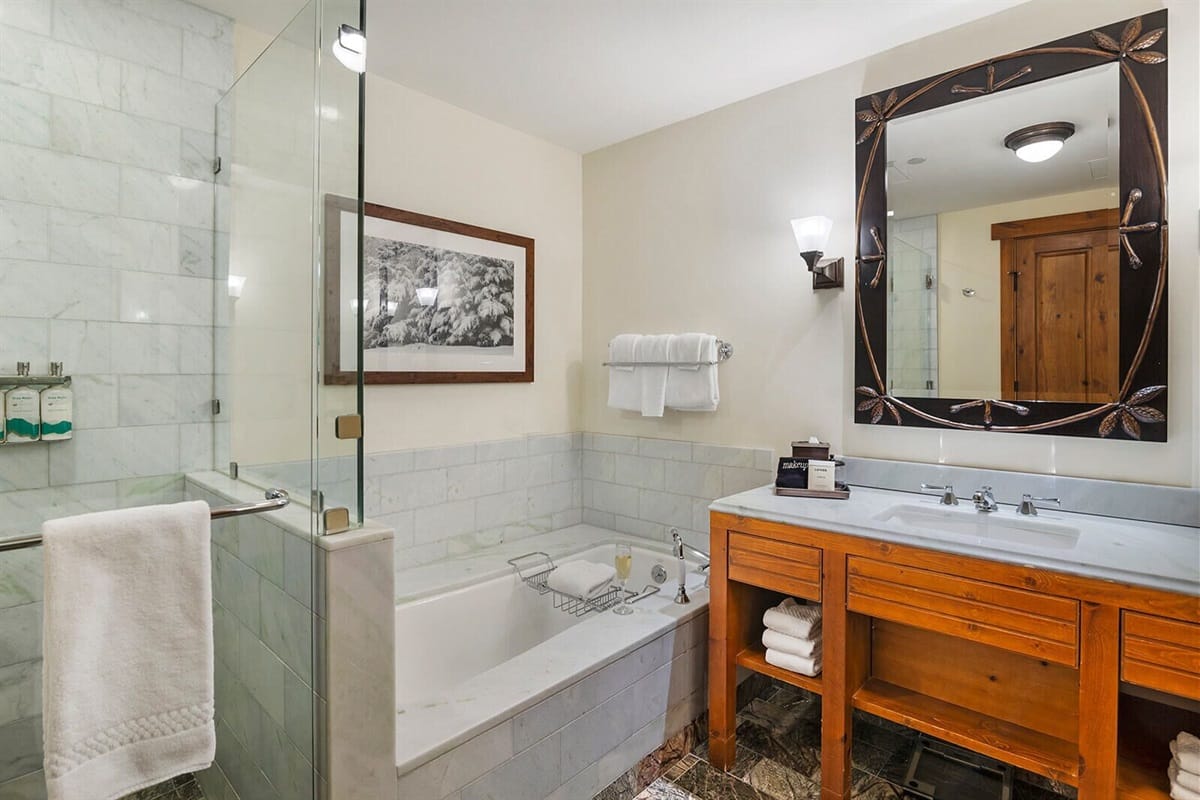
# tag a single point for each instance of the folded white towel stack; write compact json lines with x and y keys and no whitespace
{"x":581,"y":579}
{"x":793,"y":637}
{"x":624,"y":384}
{"x":128,"y":650}
{"x":693,"y":387}
{"x":1184,"y":769}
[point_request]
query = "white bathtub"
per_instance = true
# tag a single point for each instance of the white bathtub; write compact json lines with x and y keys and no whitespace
{"x":471,"y":656}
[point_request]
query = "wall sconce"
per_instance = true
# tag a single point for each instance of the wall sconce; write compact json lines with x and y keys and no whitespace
{"x":236,"y":284}
{"x":427,"y":296}
{"x":812,"y":234}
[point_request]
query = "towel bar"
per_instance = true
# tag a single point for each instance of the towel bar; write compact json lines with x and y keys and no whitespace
{"x":275,"y":499}
{"x":724,"y":353}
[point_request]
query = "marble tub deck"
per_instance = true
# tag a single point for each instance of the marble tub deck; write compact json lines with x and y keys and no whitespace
{"x":779,"y":757}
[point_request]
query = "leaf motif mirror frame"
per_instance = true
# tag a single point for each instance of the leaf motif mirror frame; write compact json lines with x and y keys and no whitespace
{"x":1139,"y":46}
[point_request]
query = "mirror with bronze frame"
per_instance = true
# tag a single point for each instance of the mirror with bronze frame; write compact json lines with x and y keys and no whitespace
{"x":1066,"y":330}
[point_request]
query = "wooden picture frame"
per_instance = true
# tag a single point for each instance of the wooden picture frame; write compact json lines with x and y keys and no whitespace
{"x":474,"y":323}
{"x":1139,"y":408}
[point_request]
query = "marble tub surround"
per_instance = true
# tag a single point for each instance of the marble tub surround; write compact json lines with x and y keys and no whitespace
{"x":646,"y":487}
{"x":297,"y":627}
{"x":1138,"y":553}
{"x":565,"y":717}
{"x":1172,"y":505}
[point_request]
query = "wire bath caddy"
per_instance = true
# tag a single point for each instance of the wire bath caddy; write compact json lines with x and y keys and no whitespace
{"x":534,"y":571}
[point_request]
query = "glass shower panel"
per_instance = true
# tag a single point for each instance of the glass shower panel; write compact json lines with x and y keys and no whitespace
{"x":338,"y":364}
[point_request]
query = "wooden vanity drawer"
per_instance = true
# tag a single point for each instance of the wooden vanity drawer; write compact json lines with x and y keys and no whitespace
{"x":1161,"y":653}
{"x":1030,"y":623}
{"x":775,"y":564}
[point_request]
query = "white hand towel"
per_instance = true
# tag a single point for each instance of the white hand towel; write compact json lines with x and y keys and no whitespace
{"x":582,"y":579}
{"x":624,"y":384}
{"x":805,"y":648}
{"x":693,"y":388}
{"x":793,"y":663}
{"x":1188,"y":780}
{"x":128,"y":650}
{"x":1186,"y":749}
{"x":1180,"y":793}
{"x":653,"y":379}
{"x":794,"y":619}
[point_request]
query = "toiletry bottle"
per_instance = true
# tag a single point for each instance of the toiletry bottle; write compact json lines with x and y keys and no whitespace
{"x":22,"y":415}
{"x":57,"y":406}
{"x":3,"y":394}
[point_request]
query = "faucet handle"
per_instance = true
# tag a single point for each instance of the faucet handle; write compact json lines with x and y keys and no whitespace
{"x":1029,"y":504}
{"x":947,"y":492}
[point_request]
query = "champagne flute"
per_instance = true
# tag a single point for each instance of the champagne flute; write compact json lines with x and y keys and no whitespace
{"x":624,"y":565}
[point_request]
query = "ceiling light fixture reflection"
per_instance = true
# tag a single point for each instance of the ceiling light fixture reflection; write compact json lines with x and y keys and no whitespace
{"x":350,"y":48}
{"x":1039,"y":142}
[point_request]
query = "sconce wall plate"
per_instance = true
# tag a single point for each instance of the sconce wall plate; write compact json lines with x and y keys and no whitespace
{"x":828,"y":273}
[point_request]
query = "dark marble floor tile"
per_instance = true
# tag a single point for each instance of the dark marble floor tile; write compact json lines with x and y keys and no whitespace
{"x":779,"y":782}
{"x":867,"y":758}
{"x":183,"y":787}
{"x":799,"y":749}
{"x":663,"y":789}
{"x":871,"y":787}
{"x":709,"y":783}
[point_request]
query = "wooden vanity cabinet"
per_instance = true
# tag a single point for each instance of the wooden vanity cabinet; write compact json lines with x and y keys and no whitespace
{"x":1018,"y":663}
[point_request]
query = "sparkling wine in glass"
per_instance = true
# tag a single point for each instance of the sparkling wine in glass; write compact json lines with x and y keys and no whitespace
{"x":624,"y":565}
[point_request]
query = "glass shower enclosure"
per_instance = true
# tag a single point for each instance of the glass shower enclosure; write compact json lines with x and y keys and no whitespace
{"x":166,"y":235}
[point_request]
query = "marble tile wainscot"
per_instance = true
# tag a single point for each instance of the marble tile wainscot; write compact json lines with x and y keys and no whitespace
{"x":281,"y":707}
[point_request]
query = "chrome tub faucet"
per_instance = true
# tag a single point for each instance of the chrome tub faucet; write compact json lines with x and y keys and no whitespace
{"x":984,"y":500}
{"x":681,"y":596}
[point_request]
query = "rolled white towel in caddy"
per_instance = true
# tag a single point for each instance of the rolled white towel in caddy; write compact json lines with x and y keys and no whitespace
{"x":128,"y":650}
{"x":581,"y":579}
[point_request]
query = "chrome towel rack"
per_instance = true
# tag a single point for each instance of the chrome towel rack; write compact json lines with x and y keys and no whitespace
{"x":275,"y":500}
{"x":724,"y":353}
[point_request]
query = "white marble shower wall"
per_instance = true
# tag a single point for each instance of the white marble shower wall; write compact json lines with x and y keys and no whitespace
{"x":106,"y":264}
{"x":912,"y":306}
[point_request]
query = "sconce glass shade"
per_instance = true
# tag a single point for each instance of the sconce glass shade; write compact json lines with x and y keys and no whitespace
{"x":236,"y":283}
{"x":427,"y":296}
{"x":812,"y":233}
{"x":350,"y":48}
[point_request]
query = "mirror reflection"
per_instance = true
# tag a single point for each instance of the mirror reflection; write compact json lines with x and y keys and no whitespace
{"x":1003,"y":261}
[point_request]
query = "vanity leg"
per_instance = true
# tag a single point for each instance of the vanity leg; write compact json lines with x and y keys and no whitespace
{"x":1099,"y":691}
{"x":722,"y":644}
{"x":847,"y":648}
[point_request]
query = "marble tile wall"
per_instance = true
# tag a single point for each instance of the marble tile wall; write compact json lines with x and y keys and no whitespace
{"x":577,"y":741}
{"x":106,"y":264}
{"x":447,"y":501}
{"x":646,"y":487}
{"x":264,"y":585}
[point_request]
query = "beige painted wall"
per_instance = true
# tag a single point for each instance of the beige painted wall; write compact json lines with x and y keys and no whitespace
{"x":969,"y":327}
{"x":686,"y":228}
{"x":428,"y":156}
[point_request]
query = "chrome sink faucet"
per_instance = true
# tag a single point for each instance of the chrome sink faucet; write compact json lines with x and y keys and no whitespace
{"x":1029,"y":504}
{"x":947,"y":492}
{"x":681,"y":596}
{"x":984,"y":500}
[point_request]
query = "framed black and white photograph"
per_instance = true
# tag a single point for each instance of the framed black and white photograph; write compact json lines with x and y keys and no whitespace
{"x":443,"y":301}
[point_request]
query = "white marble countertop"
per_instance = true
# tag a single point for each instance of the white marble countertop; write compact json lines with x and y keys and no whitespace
{"x":1139,"y":553}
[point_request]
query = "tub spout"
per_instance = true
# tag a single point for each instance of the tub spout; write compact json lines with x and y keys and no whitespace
{"x":681,"y":596}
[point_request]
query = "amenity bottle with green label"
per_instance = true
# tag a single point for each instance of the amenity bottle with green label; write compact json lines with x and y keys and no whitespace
{"x":22,"y":415}
{"x":57,"y":403}
{"x":3,"y":394}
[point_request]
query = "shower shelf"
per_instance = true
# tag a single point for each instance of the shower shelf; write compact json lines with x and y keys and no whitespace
{"x":534,"y":569}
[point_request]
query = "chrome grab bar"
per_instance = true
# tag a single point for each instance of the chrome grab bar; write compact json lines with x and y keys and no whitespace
{"x":275,"y":500}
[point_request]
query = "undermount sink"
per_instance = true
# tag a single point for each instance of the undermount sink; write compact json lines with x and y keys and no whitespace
{"x":1004,"y":525}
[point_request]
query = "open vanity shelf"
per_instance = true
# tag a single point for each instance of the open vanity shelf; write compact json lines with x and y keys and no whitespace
{"x":1080,"y":680}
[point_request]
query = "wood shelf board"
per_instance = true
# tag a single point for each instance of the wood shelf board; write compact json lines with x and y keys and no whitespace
{"x":755,"y":659}
{"x":1136,"y":781}
{"x":1037,"y":752}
